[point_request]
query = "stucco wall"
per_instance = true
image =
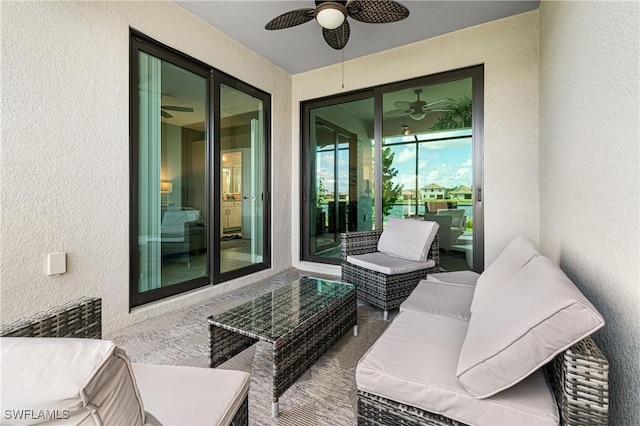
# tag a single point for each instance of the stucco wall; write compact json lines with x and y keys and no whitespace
{"x":589,"y":144}
{"x":65,"y":147}
{"x":508,"y":48}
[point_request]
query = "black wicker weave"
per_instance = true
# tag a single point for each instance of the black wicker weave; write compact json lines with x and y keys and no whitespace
{"x":578,"y":377}
{"x":374,"y":410}
{"x":301,"y":320}
{"x":242,"y":415}
{"x":383,"y":291}
{"x":80,"y":318}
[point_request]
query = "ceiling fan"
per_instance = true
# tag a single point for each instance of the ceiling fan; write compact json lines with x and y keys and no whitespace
{"x":417,"y":109}
{"x":165,"y":108}
{"x":332,"y":17}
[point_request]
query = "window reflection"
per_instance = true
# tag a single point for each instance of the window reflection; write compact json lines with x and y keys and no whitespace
{"x":172,"y":229}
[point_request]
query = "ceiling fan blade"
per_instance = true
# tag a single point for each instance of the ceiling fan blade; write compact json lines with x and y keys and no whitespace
{"x":290,"y":19}
{"x":438,"y":102}
{"x":165,"y":114}
{"x":395,"y":113}
{"x":338,"y":37}
{"x":177,"y":108}
{"x":377,"y":11}
{"x":402,"y":104}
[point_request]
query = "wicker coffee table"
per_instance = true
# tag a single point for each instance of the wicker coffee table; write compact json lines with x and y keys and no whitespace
{"x":301,"y":320}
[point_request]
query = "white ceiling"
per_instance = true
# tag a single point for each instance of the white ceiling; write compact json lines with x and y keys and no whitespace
{"x":302,"y":48}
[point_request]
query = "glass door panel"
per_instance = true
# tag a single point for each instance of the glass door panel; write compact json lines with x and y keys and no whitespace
{"x":427,"y":155}
{"x":341,"y":181}
{"x":242,"y":171}
{"x":172,"y":212}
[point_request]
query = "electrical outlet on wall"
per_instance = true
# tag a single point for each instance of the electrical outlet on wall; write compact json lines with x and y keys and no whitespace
{"x":56,"y":263}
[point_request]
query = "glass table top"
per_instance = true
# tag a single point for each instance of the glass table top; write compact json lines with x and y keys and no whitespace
{"x":274,"y":314}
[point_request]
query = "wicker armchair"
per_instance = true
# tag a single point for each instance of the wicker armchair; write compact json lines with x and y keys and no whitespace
{"x":383,"y":291}
{"x":83,"y":319}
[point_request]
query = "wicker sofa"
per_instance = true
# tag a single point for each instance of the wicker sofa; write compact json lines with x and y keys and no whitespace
{"x":69,"y":375}
{"x":408,"y":250}
{"x":509,"y":346}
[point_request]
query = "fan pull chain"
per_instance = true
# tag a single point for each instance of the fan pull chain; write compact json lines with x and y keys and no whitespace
{"x":342,"y":51}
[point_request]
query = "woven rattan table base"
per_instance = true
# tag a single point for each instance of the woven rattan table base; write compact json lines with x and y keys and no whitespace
{"x":295,"y":350}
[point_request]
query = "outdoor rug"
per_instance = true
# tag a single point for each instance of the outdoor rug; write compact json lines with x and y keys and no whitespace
{"x":324,"y":395}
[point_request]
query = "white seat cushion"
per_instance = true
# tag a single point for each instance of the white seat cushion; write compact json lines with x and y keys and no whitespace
{"x":456,"y":277}
{"x":537,"y":314}
{"x":72,"y":381}
{"x":414,"y":362}
{"x":388,"y":265}
{"x":517,"y":253}
{"x":408,"y":239}
{"x":178,"y":395}
{"x":442,"y":299}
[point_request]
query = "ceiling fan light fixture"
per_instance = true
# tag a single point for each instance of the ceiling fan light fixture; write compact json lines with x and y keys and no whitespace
{"x":417,"y":115}
{"x":330,"y":15}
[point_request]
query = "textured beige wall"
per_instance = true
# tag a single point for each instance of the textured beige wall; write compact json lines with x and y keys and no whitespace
{"x":65,"y":148}
{"x":590,"y":172}
{"x":508,"y":48}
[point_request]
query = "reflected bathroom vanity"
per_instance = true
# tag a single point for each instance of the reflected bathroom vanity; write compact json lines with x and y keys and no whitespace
{"x":231,"y":213}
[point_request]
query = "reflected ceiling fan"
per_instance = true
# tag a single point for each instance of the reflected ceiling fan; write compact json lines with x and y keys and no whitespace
{"x":165,"y":108}
{"x":332,"y":17}
{"x":417,"y":109}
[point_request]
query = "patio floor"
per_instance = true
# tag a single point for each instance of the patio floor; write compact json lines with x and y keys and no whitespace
{"x":325,"y":395}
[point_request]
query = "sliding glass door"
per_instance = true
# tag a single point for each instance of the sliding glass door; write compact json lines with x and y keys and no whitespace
{"x":172,"y":243}
{"x":199,"y":174}
{"x":242,"y":179}
{"x":428,"y":163}
{"x":418,"y":143}
{"x":339,"y":197}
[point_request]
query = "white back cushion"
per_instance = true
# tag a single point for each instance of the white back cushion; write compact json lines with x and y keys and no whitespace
{"x":457,"y":216}
{"x":469,"y":278}
{"x":408,"y":239}
{"x":68,"y":381}
{"x":515,"y":255}
{"x":536,"y":315}
{"x":440,"y":299}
